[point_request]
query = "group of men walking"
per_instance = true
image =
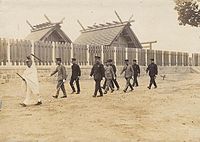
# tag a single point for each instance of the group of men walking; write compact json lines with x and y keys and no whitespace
{"x":98,"y":71}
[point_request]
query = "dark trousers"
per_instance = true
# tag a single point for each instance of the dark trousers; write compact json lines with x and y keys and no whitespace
{"x":104,"y":84}
{"x":114,"y":81}
{"x":152,"y":81}
{"x":98,"y":87}
{"x":109,"y":85}
{"x":77,"y":84}
{"x":135,"y":81}
{"x":60,"y":85}
{"x":128,"y":84}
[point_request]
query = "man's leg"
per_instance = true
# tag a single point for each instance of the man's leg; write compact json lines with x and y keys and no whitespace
{"x":129,"y":83}
{"x":78,"y":86}
{"x":99,"y":88}
{"x":72,"y":85}
{"x":63,"y":90}
{"x":151,"y":81}
{"x":104,"y":84}
{"x":135,"y":80}
{"x":96,"y":89}
{"x":116,"y":83}
{"x":154,"y":82}
{"x":110,"y":84}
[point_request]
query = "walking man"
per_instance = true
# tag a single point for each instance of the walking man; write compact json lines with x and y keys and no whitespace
{"x":153,"y":71}
{"x":76,"y":73}
{"x":136,"y":69}
{"x":114,"y":80}
{"x":62,"y":76}
{"x":128,"y":69}
{"x":30,"y":77}
{"x":109,"y":76}
{"x":98,"y":72}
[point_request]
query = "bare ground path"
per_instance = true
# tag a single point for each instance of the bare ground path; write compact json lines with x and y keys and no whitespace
{"x":169,"y":113}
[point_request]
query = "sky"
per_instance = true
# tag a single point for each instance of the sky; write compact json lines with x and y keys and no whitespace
{"x":154,"y":19}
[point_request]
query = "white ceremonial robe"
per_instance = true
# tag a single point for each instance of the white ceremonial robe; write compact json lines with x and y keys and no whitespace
{"x":32,"y":84}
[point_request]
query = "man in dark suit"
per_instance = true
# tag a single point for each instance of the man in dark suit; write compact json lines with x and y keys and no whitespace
{"x":62,"y":76}
{"x":76,"y":73}
{"x":153,"y":71}
{"x":136,"y":74}
{"x":98,"y":72}
{"x":114,"y":81}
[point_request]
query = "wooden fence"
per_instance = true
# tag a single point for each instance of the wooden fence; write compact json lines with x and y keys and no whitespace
{"x":14,"y":52}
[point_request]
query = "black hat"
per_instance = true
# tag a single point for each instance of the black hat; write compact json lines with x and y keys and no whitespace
{"x":134,"y":60}
{"x":58,"y":59}
{"x":152,"y":59}
{"x":126,"y":60}
{"x":73,"y":59}
{"x":97,"y":57}
{"x":110,"y":60}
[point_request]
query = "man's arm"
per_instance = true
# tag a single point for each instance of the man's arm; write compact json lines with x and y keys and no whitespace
{"x":79,"y":70}
{"x":123,"y":70}
{"x":92,"y":71}
{"x":102,"y":70}
{"x":138,"y":69}
{"x":54,"y":72}
{"x":156,"y":69}
{"x":64,"y":74}
{"x":147,"y":69}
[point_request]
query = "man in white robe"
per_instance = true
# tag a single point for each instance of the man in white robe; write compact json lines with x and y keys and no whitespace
{"x":30,"y":78}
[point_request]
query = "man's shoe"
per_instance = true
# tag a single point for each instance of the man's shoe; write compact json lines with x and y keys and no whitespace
{"x":149,"y":87}
{"x":73,"y":92}
{"x":22,"y":104}
{"x":155,"y":87}
{"x":124,"y":91}
{"x":55,"y":96}
{"x":78,"y":93}
{"x":105,"y":92}
{"x":38,"y":103}
{"x":94,"y":95}
{"x":112,"y":91}
{"x":136,"y":85}
{"x":100,"y":95}
{"x":117,"y":89}
{"x":132,"y":89}
{"x":64,"y":96}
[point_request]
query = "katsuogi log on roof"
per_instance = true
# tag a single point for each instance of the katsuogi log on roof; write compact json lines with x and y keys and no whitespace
{"x":115,"y":33}
{"x":48,"y":31}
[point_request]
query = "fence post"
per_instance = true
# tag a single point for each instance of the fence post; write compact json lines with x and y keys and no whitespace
{"x":177,"y":62}
{"x":8,"y":53}
{"x":183,"y":58}
{"x":88,"y":55}
{"x":146,"y":59}
{"x":163,"y":59}
{"x":115,"y":56}
{"x":32,"y":49}
{"x":53,"y":53}
{"x":72,"y":51}
{"x":170,"y":64}
{"x":154,"y":56}
{"x":102,"y":57}
{"x":126,"y":53}
{"x":136,"y":55}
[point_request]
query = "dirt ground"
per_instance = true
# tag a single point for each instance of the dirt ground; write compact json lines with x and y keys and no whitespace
{"x":169,"y":113}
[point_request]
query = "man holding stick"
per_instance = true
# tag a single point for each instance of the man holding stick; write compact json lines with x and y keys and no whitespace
{"x":30,"y":78}
{"x":62,"y":76}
